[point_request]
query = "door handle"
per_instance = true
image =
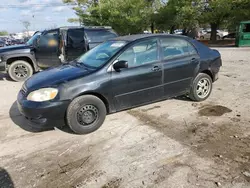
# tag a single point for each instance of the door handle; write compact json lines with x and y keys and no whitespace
{"x":156,"y":68}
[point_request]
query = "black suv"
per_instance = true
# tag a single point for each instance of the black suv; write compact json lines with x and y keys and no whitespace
{"x":51,"y":48}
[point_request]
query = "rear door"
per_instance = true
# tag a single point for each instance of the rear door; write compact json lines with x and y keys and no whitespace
{"x":47,"y":50}
{"x":141,"y":82}
{"x":76,"y":44}
{"x":180,"y":64}
{"x":97,"y":36}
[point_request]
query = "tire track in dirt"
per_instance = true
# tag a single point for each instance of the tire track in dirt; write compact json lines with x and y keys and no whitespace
{"x":217,"y":142}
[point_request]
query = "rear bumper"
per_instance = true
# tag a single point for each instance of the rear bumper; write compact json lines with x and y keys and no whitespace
{"x":42,"y":115}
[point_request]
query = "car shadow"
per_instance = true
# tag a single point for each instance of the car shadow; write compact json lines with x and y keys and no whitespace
{"x":5,"y":179}
{"x":183,"y":98}
{"x":5,"y":76}
{"x":24,"y":124}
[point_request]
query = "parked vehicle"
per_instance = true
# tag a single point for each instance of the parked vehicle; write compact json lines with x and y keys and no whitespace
{"x":119,"y":74}
{"x":178,"y":32}
{"x":51,"y":48}
{"x":219,"y":35}
{"x":243,"y":34}
{"x":230,"y":36}
{"x":2,"y":43}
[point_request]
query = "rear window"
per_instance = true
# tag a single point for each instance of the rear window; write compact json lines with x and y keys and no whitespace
{"x":99,"y":35}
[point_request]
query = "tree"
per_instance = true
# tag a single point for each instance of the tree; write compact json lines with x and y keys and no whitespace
{"x":125,"y":16}
{"x":26,"y":25}
{"x":3,"y":33}
{"x":214,"y":12}
{"x":189,"y":14}
{"x":83,"y":10}
{"x":240,"y":12}
{"x":177,"y":14}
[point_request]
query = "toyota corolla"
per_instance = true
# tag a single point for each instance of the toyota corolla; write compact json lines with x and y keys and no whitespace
{"x":119,"y":74}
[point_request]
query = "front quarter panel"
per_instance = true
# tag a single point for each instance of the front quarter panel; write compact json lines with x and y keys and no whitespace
{"x":20,"y":53}
{"x":98,"y":83}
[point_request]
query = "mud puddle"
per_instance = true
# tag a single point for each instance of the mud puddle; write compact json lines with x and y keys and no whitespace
{"x":216,"y":110}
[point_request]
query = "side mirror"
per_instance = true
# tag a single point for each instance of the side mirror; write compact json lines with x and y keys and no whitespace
{"x":120,"y":65}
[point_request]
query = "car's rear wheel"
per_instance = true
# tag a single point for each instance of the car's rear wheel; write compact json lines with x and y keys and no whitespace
{"x":20,"y":70}
{"x":218,"y":37}
{"x":202,"y":38}
{"x":201,"y":87}
{"x":86,"y":114}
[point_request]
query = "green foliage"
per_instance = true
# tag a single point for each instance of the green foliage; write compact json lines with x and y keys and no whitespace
{"x":125,"y":16}
{"x":134,"y":16}
{"x":240,"y":12}
{"x":3,"y":33}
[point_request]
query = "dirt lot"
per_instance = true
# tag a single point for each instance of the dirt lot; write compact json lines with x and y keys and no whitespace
{"x":172,"y":144}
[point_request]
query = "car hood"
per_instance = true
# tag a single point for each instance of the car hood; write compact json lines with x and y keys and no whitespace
{"x":14,"y":48}
{"x":57,"y":75}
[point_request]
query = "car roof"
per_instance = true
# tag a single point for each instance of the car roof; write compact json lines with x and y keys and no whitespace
{"x":86,"y":27}
{"x":131,"y":38}
{"x":243,"y":22}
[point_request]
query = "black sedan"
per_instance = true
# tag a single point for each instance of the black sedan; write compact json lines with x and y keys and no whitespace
{"x":119,"y":74}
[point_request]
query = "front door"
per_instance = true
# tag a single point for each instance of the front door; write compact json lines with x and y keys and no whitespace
{"x":141,"y":82}
{"x":76,"y":44}
{"x":180,"y":63}
{"x":47,"y":49}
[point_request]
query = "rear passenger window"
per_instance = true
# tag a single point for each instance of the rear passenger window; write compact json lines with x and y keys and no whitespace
{"x":173,"y":47}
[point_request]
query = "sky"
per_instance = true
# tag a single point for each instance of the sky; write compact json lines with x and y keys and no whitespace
{"x":42,"y":14}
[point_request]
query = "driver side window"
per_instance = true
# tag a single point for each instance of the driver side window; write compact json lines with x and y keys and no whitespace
{"x":50,"y":39}
{"x":141,"y":53}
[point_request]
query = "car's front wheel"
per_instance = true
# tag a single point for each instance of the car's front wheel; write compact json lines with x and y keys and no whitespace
{"x":201,"y":87}
{"x":86,"y":114}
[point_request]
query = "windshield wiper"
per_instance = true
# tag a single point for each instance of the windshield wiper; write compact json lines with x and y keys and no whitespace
{"x":79,"y":64}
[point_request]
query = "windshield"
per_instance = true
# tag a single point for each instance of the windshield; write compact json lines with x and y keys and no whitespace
{"x":99,"y":35}
{"x":33,"y":38}
{"x":101,"y":54}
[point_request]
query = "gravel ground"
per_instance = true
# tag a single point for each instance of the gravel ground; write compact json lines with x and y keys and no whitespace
{"x":172,"y":144}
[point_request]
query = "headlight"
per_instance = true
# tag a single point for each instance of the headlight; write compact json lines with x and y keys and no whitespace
{"x":44,"y":94}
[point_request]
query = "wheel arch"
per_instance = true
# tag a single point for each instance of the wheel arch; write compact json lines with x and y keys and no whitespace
{"x":21,"y":58}
{"x":209,"y":73}
{"x":98,"y":95}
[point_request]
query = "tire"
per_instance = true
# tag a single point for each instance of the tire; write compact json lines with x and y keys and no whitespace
{"x":218,"y":37}
{"x":202,"y":38}
{"x":24,"y":68}
{"x":200,"y":83}
{"x":93,"y":106}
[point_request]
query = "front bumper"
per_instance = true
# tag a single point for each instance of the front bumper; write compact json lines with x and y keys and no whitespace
{"x":216,"y":76}
{"x":2,"y":65}
{"x":42,"y":115}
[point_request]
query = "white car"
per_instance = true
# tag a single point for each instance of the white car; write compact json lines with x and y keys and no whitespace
{"x":219,"y":35}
